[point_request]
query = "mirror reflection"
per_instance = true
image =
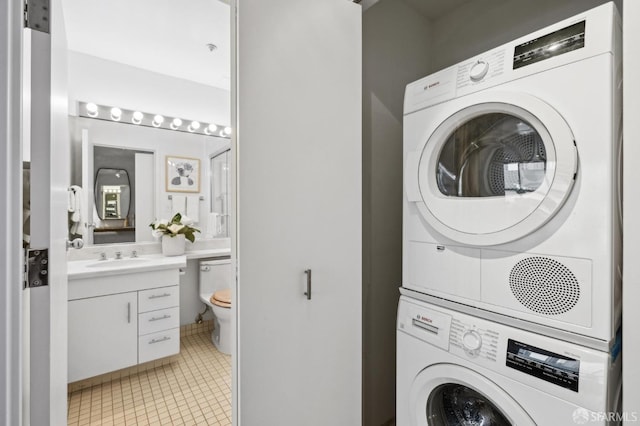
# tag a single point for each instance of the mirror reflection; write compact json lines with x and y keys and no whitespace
{"x":219,"y":211}
{"x":150,"y":107}
{"x":112,"y":194}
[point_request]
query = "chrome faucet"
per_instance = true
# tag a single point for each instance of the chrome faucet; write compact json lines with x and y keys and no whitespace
{"x":103,"y":256}
{"x":134,"y":253}
{"x":118,"y":255}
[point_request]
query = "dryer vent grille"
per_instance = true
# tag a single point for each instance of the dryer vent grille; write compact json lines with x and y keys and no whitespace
{"x":544,"y":285}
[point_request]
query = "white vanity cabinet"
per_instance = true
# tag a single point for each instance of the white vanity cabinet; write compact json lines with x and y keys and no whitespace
{"x":158,"y":323}
{"x":120,"y":317}
{"x":103,"y":334}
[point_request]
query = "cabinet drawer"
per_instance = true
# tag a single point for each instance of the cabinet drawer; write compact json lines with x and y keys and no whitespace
{"x":158,"y":345}
{"x":154,"y":321}
{"x":158,"y":298}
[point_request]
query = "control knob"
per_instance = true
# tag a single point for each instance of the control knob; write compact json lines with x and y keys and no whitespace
{"x":472,"y":342}
{"x":479,"y":70}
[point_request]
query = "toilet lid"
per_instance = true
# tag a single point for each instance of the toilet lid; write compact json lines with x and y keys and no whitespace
{"x":222,"y":298}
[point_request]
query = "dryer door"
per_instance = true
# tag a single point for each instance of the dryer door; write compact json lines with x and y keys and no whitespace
{"x":448,"y":395}
{"x":496,"y":169}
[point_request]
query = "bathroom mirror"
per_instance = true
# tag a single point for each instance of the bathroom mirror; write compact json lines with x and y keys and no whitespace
{"x":112,"y":194}
{"x":131,"y":109}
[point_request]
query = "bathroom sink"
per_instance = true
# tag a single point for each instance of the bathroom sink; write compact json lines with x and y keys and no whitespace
{"x":118,"y":263}
{"x":80,"y":269}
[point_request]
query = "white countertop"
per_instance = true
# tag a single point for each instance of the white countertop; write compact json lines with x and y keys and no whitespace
{"x":80,"y":269}
{"x":206,"y":253}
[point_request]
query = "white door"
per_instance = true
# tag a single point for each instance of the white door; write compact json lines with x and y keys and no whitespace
{"x":298,"y":134}
{"x":46,"y":122}
{"x":508,"y":159}
{"x":11,"y":353}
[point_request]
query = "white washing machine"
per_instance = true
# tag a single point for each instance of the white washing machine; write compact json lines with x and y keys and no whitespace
{"x":511,"y":169}
{"x":455,"y":369}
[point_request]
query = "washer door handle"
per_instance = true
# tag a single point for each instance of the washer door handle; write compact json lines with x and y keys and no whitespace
{"x":308,"y":292}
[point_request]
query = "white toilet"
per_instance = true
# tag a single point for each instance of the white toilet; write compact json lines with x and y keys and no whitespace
{"x":215,"y":291}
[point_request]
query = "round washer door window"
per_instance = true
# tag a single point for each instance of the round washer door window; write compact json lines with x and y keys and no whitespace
{"x":449,"y":394}
{"x":497,"y":170}
{"x":453,"y":404}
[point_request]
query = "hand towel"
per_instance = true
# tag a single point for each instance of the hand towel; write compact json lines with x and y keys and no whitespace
{"x":77,"y":207}
{"x":179,"y":205}
{"x":193,"y":207}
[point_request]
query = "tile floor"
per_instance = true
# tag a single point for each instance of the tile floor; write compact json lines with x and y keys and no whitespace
{"x":195,"y":389}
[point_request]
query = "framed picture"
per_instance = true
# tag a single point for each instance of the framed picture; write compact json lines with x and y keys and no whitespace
{"x":182,"y":174}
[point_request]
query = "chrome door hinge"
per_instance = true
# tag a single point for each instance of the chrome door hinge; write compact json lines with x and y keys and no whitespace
{"x":36,"y":15}
{"x":36,"y":268}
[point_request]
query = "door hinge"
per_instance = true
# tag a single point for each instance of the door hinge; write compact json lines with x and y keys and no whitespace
{"x":36,"y":15}
{"x":36,"y":268}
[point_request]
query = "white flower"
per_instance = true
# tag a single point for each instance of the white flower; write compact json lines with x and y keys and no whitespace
{"x":175,"y":228}
{"x":157,"y":233}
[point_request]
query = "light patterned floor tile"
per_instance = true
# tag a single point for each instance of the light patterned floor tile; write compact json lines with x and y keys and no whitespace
{"x":193,"y":390}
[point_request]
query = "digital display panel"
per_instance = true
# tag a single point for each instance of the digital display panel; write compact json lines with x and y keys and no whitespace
{"x":549,"y":366}
{"x":550,"y":45}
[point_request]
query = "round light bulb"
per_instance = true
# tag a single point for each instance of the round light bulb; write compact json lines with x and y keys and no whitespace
{"x":176,"y":123}
{"x":92,"y":109}
{"x":137,"y":117}
{"x":227,"y":130}
{"x":116,"y":114}
{"x":157,"y":120}
{"x":210,"y":128}
{"x":195,"y":125}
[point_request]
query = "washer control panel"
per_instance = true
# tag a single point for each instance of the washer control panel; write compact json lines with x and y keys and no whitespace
{"x":475,"y":340}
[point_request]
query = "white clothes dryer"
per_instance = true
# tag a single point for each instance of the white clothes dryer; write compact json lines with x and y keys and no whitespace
{"x":511,"y":176}
{"x":455,"y":369}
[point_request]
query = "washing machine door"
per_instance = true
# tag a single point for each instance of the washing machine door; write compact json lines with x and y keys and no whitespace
{"x":498,"y":167}
{"x":451,"y":395}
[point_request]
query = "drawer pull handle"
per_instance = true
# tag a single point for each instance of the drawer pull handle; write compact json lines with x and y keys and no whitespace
{"x":160,"y":318}
{"x":165,"y":338}
{"x":157,"y":296}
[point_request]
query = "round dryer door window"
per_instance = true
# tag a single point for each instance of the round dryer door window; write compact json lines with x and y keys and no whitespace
{"x":452,"y":395}
{"x":497,"y":170}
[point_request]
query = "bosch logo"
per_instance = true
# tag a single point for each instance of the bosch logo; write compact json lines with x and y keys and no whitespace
{"x":432,"y":85}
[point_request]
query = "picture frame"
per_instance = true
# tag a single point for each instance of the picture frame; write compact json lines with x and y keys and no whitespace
{"x":182,"y":174}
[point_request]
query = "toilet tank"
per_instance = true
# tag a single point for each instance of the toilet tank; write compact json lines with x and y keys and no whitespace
{"x":215,"y":275}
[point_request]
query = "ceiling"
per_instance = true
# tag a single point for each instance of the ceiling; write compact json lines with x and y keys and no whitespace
{"x":163,"y":36}
{"x":430,"y":9}
{"x":170,"y":37}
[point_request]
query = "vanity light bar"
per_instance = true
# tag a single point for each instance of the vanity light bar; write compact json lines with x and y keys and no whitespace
{"x":139,"y":118}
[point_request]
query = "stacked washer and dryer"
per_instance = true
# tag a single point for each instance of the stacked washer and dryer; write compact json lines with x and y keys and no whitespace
{"x":512,"y":233}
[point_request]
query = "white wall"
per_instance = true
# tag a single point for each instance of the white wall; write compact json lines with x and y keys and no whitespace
{"x":631,"y":210}
{"x":92,"y":79}
{"x":395,"y":52}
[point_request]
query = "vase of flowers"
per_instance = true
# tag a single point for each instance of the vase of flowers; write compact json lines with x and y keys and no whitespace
{"x":174,"y":233}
